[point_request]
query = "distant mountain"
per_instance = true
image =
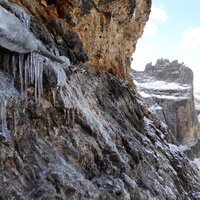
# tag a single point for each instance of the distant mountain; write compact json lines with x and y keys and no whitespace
{"x":197,"y":104}
{"x":168,"y":90}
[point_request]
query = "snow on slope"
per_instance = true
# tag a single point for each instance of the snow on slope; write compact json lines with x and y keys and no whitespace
{"x":162,"y":85}
{"x":162,"y":89}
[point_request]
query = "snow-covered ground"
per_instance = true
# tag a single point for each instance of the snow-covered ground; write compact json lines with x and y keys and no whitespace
{"x":162,"y":85}
{"x":163,"y":90}
{"x":148,"y":95}
{"x":182,"y":148}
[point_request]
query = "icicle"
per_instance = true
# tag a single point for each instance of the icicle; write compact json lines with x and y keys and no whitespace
{"x":37,"y":67}
{"x":31,"y":68}
{"x":65,"y":114}
{"x":16,"y":116}
{"x":27,"y":66}
{"x":6,"y":62}
{"x":41,"y":78}
{"x":39,"y":85}
{"x":13,"y":63}
{"x":54,"y":95}
{"x":21,"y":57}
{"x":36,"y":80}
{"x":73,"y":117}
{"x":26,"y":73}
{"x":4,"y":117}
{"x":68,"y":116}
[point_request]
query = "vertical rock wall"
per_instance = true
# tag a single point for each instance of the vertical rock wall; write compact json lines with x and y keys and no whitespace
{"x":168,"y":88}
{"x":104,"y":33}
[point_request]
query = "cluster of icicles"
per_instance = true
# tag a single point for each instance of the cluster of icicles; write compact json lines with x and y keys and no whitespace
{"x":28,"y":68}
{"x":30,"y":72}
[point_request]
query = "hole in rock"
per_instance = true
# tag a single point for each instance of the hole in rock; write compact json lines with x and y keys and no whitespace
{"x":50,"y":2}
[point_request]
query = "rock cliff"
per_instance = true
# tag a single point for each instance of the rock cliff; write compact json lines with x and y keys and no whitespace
{"x":168,"y":89}
{"x":69,"y":132}
{"x":102,"y":32}
{"x":197,"y":105}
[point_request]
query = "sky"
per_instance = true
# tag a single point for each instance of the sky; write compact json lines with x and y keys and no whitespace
{"x":172,"y":32}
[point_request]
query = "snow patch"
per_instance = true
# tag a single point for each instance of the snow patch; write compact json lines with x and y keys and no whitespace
{"x":163,"y":85}
{"x":196,"y":162}
{"x":173,"y":148}
{"x":170,"y":97}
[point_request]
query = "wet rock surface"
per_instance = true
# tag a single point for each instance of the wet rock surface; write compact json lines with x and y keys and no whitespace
{"x":168,"y":88}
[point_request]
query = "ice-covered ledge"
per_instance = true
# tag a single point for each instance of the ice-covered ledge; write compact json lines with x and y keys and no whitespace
{"x":15,"y":35}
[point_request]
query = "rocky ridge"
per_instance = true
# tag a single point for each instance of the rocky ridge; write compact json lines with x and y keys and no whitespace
{"x":69,"y":132}
{"x":168,"y":89}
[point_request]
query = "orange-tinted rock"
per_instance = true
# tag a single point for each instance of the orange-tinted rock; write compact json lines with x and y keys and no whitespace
{"x":104,"y":31}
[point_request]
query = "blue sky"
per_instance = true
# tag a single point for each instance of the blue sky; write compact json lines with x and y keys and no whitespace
{"x":173,"y":32}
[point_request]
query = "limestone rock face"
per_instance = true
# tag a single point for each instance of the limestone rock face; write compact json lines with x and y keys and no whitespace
{"x":168,"y":89}
{"x":104,"y":31}
{"x":197,"y":106}
{"x":69,"y":132}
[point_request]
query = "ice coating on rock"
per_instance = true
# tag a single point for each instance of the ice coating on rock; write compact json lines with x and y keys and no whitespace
{"x":7,"y":89}
{"x":57,"y":71}
{"x":21,"y":57}
{"x":13,"y":35}
{"x":7,"y":92}
{"x":17,"y":11}
{"x":4,"y":132}
{"x":55,"y":51}
{"x":66,"y":62}
{"x":3,"y":116}
{"x":38,"y":76}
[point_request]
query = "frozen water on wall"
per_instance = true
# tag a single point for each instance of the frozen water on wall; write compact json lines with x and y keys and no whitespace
{"x":14,"y":36}
{"x":7,"y":89}
{"x":4,"y":132}
{"x":26,"y":66}
{"x":18,"y":12}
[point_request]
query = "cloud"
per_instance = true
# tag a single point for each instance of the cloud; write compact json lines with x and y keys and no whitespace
{"x":190,"y":38}
{"x":158,"y":15}
{"x":150,"y":29}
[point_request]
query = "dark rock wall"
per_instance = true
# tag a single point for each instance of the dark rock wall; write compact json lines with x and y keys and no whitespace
{"x":94,"y":141}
